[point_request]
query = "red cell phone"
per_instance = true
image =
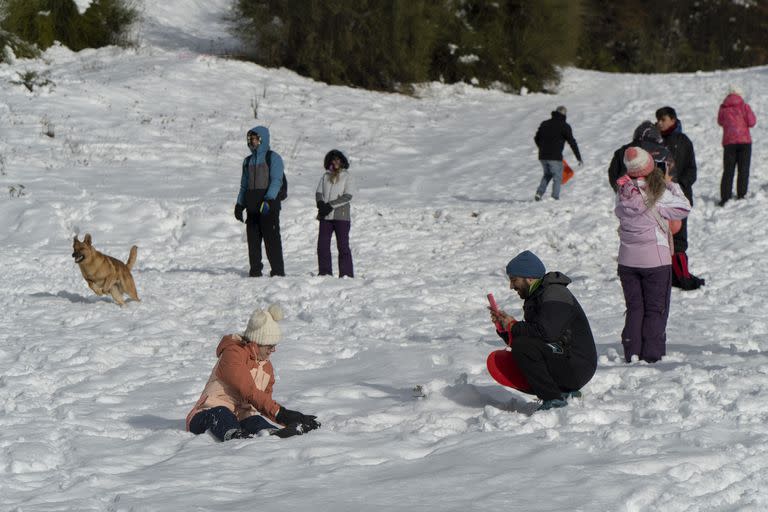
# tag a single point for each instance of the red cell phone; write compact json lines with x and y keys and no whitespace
{"x":494,"y":308}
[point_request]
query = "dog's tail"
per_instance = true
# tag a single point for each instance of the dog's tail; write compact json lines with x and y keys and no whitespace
{"x":131,"y":257}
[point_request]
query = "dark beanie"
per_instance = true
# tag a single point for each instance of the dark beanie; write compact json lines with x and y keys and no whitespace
{"x":526,"y":264}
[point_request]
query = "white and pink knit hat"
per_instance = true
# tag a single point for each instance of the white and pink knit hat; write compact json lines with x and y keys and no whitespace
{"x":638,"y":161}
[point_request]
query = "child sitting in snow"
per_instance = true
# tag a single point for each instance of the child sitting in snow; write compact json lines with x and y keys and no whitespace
{"x":237,"y":400}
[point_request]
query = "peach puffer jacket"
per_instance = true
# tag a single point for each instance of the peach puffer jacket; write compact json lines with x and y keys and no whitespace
{"x":239,"y":382}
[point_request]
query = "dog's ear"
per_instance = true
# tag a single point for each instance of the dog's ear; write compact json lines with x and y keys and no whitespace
{"x":87,"y":239}
{"x":75,"y":240}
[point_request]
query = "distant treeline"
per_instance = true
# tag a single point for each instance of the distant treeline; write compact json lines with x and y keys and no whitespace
{"x":28,"y":26}
{"x":391,"y":44}
{"x":510,"y":44}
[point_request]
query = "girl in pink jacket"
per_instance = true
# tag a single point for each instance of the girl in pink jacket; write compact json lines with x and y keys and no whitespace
{"x":647,"y":200}
{"x":736,"y":118}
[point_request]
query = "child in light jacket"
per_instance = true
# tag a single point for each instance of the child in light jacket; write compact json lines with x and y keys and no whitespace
{"x":647,"y":200}
{"x":237,"y":400}
{"x":333,"y":195}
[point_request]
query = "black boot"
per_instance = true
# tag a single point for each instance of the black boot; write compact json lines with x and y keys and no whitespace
{"x":237,"y":434}
{"x":681,"y":276}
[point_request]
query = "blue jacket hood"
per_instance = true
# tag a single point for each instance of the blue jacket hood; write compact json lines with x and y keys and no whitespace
{"x":261,"y":151}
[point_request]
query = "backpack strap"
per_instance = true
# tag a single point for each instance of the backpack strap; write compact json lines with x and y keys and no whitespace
{"x":662,"y":222}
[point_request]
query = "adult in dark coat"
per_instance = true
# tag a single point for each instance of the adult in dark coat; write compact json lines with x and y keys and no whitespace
{"x":550,"y":138}
{"x":648,"y":137}
{"x":684,"y":173}
{"x":553,"y":346}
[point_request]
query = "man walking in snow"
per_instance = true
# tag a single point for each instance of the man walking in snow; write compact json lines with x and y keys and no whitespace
{"x":553,"y":345}
{"x":550,"y":139}
{"x":684,"y":174}
{"x":260,"y":185}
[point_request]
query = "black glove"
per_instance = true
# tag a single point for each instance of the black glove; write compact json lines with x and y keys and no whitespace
{"x":324,"y":209}
{"x":319,"y":204}
{"x":309,"y":422}
{"x":239,"y":212}
{"x":288,"y":417}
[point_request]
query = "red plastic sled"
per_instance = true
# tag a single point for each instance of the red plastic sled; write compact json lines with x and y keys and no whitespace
{"x":505,"y":371}
{"x":567,"y":172}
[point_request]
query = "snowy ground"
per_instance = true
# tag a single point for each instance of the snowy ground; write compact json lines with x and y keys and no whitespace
{"x":146,"y":150}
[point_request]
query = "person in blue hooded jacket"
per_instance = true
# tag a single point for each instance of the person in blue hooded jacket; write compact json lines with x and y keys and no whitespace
{"x":260,"y":186}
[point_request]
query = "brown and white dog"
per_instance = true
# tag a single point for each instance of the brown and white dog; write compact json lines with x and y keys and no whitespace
{"x":105,"y":274}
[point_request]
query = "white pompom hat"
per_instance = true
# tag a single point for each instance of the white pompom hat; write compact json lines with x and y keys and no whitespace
{"x":735,"y":89}
{"x":262,"y":326}
{"x":638,"y":161}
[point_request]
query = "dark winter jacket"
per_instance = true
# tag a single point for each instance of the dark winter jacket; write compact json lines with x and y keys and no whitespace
{"x":259,"y":181}
{"x":681,"y":147}
{"x":551,"y":138}
{"x":553,"y":315}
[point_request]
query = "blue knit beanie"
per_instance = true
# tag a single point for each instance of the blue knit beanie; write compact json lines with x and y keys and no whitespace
{"x":526,"y":264}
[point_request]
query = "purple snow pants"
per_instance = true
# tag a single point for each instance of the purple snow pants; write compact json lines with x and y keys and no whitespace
{"x":647,"y":292}
{"x":341,"y":228}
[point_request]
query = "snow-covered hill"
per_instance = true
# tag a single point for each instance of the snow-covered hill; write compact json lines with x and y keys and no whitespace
{"x":146,"y":150}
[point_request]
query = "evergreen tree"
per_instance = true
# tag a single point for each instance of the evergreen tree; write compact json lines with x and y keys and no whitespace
{"x":41,"y":22}
{"x":657,"y":36}
{"x":383,"y":45}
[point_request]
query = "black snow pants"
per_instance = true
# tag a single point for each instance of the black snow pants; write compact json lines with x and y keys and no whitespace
{"x":548,"y":369}
{"x":267,"y":228}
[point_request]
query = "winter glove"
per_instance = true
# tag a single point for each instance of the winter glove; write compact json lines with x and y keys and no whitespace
{"x":623,"y":180}
{"x":288,"y":417}
{"x":264,"y":208}
{"x":324,"y":209}
{"x":239,"y":212}
{"x":309,"y":422}
{"x":581,"y":163}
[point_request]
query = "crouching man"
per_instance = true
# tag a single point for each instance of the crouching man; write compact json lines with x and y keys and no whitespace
{"x":552,"y":347}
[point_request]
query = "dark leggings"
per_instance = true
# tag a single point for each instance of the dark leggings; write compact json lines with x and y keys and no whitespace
{"x":735,"y":155}
{"x":221,"y":420}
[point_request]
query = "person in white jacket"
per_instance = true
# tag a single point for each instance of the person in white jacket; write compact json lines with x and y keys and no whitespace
{"x":333,"y":195}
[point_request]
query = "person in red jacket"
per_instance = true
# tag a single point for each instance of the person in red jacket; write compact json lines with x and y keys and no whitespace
{"x":237,"y":400}
{"x":736,"y":118}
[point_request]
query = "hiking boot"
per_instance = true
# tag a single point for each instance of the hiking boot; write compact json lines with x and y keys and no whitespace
{"x":688,"y":283}
{"x":237,"y":434}
{"x":570,"y":394}
{"x":537,"y":197}
{"x":555,"y":403}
